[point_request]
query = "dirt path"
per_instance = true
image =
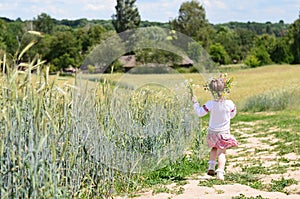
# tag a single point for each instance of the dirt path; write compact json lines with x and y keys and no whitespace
{"x":255,"y":155}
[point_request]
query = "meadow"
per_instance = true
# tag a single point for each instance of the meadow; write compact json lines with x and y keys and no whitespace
{"x":248,"y":82}
{"x":63,"y":138}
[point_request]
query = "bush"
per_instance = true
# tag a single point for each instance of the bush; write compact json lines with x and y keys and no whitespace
{"x":193,"y":69}
{"x":252,"y":61}
{"x":182,"y":70}
{"x":262,"y":55}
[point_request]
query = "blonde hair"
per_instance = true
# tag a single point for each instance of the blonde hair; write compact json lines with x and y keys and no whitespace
{"x":219,"y":86}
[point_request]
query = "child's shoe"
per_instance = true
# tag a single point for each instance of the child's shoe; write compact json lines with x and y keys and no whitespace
{"x":211,"y":172}
{"x":220,"y":174}
{"x":211,"y":168}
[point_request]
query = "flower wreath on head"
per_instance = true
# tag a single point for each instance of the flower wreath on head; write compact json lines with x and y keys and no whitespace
{"x":227,"y":83}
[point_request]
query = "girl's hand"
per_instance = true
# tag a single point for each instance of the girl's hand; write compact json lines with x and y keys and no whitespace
{"x":194,"y":99}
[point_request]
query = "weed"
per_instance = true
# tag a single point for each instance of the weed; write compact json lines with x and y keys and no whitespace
{"x":242,"y":196}
{"x":296,"y":164}
{"x":279,"y":185}
{"x":286,"y":124}
{"x":161,"y":189}
{"x":211,"y":182}
{"x":259,"y":150}
{"x":244,"y":178}
{"x":255,"y":169}
{"x":175,"y":172}
{"x":220,"y":191}
{"x":180,"y":191}
{"x":260,"y":169}
{"x":180,"y":183}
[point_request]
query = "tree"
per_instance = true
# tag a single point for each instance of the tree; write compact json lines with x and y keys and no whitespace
{"x":193,"y":23}
{"x":127,"y":16}
{"x":281,"y":52}
{"x":63,"y":61}
{"x":265,"y":40}
{"x":64,"y":50}
{"x":44,"y":23}
{"x":228,"y":38}
{"x":245,"y":40}
{"x":2,"y":34}
{"x":95,"y":34}
{"x":218,"y":54}
{"x":294,"y":34}
{"x":14,"y":33}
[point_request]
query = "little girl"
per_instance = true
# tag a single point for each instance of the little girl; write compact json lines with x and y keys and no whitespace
{"x":221,"y":112}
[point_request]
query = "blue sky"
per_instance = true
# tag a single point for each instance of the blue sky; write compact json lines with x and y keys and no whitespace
{"x":217,"y":11}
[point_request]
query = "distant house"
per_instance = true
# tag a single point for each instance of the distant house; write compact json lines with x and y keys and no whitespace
{"x":70,"y":70}
{"x":129,"y":62}
{"x":187,"y":62}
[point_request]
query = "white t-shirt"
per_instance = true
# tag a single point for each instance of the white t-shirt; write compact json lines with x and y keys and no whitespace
{"x":220,"y":113}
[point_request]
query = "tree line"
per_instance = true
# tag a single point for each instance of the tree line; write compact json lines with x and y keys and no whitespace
{"x":65,"y":43}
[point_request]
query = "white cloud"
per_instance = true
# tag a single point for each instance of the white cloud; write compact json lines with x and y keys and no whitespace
{"x":93,"y":7}
{"x":214,"y":4}
{"x":159,"y":10}
{"x":97,"y":5}
{"x":219,"y":11}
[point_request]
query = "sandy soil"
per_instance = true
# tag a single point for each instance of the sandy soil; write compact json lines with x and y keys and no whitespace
{"x":243,"y":155}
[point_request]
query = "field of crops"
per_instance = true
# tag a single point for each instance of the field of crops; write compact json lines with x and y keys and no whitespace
{"x":110,"y":134}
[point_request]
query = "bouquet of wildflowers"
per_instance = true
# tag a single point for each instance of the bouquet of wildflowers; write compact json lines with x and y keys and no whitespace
{"x":188,"y":84}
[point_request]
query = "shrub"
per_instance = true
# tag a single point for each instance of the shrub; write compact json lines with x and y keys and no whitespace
{"x":252,"y":61}
{"x":182,"y":70}
{"x":193,"y":69}
{"x":262,"y":55}
{"x":91,"y":68}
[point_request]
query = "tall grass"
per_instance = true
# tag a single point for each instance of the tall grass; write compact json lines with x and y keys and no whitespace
{"x":83,"y":140}
{"x":274,"y":100}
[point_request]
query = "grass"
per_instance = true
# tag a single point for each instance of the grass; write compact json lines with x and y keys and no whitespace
{"x":287,"y":129}
{"x":64,"y":143}
{"x":251,"y":180}
{"x":279,"y":185}
{"x":58,"y":149}
{"x":273,"y":100}
{"x":286,"y":125}
{"x":285,"y":119}
{"x":242,"y":196}
{"x":175,"y":172}
{"x":248,"y":82}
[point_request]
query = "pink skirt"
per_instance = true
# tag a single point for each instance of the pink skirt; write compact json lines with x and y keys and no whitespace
{"x":220,"y":140}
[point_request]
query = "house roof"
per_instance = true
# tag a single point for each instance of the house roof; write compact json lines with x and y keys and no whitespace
{"x":129,"y":61}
